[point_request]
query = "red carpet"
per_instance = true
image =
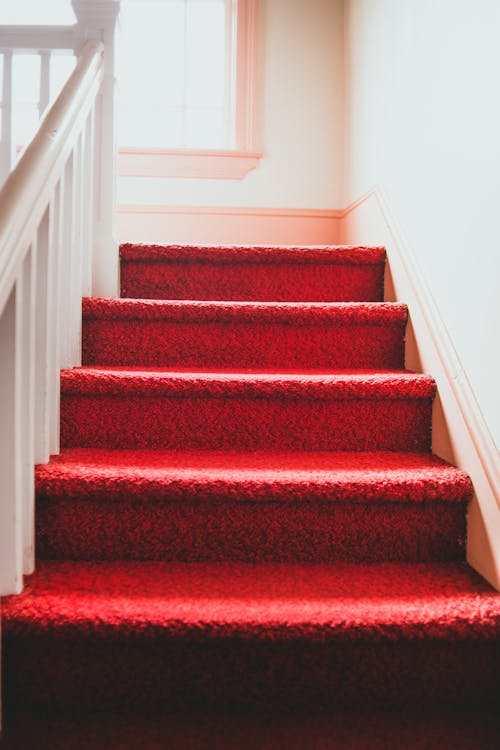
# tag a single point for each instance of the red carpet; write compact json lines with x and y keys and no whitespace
{"x":105,"y":408}
{"x":246,"y":513}
{"x":384,"y":730}
{"x":178,"y":634}
{"x":266,"y":506}
{"x":275,"y":274}
{"x":243,"y":334}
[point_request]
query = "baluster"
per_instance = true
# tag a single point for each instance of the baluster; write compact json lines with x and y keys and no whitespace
{"x":67,"y":223}
{"x":53,"y":322}
{"x":6,"y":148}
{"x":80,"y":209}
{"x":98,"y":21}
{"x":76,"y":261}
{"x":26,"y":383}
{"x":11,"y":550}
{"x":57,"y":281}
{"x":87,"y":207}
{"x":44,"y":92}
{"x":41,"y":345}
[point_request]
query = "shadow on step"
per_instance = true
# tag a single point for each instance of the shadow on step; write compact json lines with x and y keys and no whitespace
{"x":347,"y":731}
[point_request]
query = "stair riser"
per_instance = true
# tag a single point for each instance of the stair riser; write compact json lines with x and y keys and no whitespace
{"x":245,"y":345}
{"x":230,"y":673}
{"x":239,"y":423}
{"x":191,"y":531}
{"x":277,"y":282}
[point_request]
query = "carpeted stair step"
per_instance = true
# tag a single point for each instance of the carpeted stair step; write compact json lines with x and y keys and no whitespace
{"x":154,"y":333}
{"x":277,"y":274}
{"x":251,"y":507}
{"x":297,"y":636}
{"x":125,"y":408}
{"x":385,"y":729}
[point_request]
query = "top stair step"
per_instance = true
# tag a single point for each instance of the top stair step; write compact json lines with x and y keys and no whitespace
{"x":274,"y":273}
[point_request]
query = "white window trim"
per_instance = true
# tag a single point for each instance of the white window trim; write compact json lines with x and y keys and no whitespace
{"x":213,"y":163}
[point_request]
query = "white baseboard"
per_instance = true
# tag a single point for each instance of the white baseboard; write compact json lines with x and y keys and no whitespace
{"x":460,"y":432}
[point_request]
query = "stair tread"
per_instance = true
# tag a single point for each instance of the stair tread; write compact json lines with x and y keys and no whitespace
{"x":392,"y":384}
{"x":352,"y":730}
{"x":257,"y":475}
{"x":180,"y":333}
{"x":286,"y":601}
{"x":317,"y":254}
{"x":270,"y":273}
{"x":381,"y":313}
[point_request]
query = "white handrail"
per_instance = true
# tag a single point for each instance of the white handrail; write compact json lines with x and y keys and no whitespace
{"x":47,"y":230}
{"x":37,"y":170}
{"x":36,"y":38}
{"x":96,"y":21}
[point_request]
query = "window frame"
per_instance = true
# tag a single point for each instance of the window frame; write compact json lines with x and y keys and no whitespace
{"x":232,"y":163}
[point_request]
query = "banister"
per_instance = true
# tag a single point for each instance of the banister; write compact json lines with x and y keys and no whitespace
{"x":34,"y":175}
{"x":56,"y":245}
{"x":36,"y":38}
{"x":47,"y":240}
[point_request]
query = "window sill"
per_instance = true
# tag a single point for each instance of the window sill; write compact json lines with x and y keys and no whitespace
{"x":189,"y":163}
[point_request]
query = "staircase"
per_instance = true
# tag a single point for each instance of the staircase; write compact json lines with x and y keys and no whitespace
{"x":246,"y":513}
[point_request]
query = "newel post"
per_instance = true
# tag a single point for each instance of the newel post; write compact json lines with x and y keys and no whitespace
{"x":97,"y":21}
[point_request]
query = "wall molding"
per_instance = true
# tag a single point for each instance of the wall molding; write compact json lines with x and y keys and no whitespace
{"x":232,"y":224}
{"x":186,"y":163}
{"x":321,"y":213}
{"x":460,"y":432}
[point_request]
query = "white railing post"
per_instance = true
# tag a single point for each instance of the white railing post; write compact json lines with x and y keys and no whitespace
{"x":6,"y":146}
{"x":26,"y":383}
{"x":44,"y":92}
{"x":11,"y":522}
{"x":97,"y":22}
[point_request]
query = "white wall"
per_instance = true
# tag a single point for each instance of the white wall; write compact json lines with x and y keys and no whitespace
{"x":301,"y":119}
{"x":423,"y":116}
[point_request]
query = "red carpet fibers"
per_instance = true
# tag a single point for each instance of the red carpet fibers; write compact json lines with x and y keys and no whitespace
{"x":258,"y":507}
{"x":383,"y":730}
{"x":241,"y":334}
{"x":208,"y":601}
{"x":246,"y":513}
{"x":277,"y":274}
{"x":137,"y":408}
{"x":179,"y":634}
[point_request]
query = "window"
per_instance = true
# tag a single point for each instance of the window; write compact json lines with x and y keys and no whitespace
{"x":174,"y":74}
{"x":186,"y":78}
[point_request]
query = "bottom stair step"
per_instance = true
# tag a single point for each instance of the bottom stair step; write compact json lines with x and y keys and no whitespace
{"x":383,"y":730}
{"x":165,"y":635}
